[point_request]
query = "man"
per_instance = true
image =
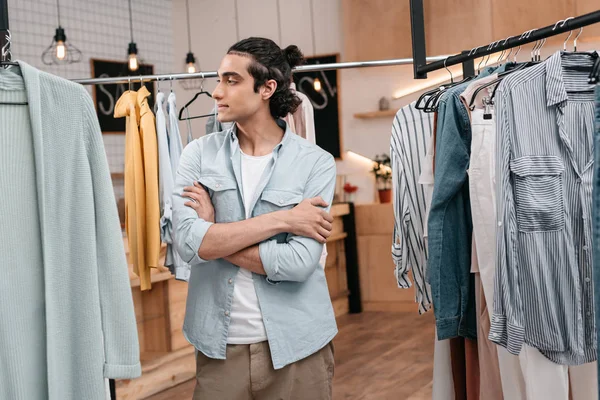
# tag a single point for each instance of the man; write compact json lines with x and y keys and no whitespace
{"x":251,"y":216}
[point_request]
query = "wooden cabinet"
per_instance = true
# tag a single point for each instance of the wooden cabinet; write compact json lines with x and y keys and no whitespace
{"x":167,"y":357}
{"x":379,"y":290}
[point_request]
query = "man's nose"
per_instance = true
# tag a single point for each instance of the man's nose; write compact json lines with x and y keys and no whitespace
{"x":217,"y":94}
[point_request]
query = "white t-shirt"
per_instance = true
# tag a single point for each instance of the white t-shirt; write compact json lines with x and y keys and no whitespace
{"x":246,"y":325}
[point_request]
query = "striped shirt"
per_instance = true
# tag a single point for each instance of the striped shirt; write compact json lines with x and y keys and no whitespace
{"x":411,"y":131}
{"x":544,"y":287}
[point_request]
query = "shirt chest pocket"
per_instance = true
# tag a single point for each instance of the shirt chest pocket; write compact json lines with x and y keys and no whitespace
{"x":275,"y":200}
{"x":538,"y":189}
{"x":224,"y":196}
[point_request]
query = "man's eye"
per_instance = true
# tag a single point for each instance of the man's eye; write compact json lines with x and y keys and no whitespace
{"x":218,"y":81}
{"x":231,"y":81}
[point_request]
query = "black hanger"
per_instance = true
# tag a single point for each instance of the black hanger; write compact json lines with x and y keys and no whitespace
{"x":190,"y":102}
{"x":201,"y":92}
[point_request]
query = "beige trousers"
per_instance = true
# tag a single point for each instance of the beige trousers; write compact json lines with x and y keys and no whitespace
{"x":248,"y":374}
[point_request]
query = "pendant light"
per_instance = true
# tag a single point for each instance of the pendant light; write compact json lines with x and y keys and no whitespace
{"x":316,"y":82}
{"x":60,"y":52}
{"x":190,"y":60}
{"x":133,"y":62}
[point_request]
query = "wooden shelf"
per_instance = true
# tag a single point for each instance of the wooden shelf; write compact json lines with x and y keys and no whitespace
{"x":339,"y":209}
{"x":376,"y":114}
{"x":334,"y":238}
{"x":154,"y":278}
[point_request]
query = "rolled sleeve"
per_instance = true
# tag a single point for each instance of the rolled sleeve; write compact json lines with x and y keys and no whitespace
{"x":298,"y":258}
{"x":195,"y":235}
{"x":189,"y":229}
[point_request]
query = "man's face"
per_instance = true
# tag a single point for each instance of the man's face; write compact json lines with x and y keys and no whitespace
{"x":235,"y":96}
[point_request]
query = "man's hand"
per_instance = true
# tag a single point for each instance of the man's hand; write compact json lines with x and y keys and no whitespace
{"x":200,"y":201}
{"x":308,"y":220}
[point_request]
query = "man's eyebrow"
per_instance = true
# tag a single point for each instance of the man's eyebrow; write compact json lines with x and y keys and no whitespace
{"x":231,"y":74}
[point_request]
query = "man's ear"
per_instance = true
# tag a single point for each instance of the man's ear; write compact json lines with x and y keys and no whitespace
{"x":268,"y":89}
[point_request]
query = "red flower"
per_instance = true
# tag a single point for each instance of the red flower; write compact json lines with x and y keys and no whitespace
{"x":349,"y":188}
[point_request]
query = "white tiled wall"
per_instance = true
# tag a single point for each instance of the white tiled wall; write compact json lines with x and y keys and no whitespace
{"x":99,"y":29}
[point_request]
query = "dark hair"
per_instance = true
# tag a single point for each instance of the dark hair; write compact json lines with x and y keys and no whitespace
{"x":269,"y":61}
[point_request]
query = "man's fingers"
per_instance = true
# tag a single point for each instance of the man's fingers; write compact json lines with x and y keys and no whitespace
{"x":319,"y":238}
{"x":197,"y":188}
{"x":327,"y":225}
{"x":326,"y":216}
{"x":192,"y":204}
{"x":318,"y":202}
{"x":324,"y":232}
{"x":193,"y":196}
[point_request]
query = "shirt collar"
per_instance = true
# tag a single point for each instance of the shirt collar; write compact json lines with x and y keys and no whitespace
{"x":232,"y":133}
{"x":556,"y":91}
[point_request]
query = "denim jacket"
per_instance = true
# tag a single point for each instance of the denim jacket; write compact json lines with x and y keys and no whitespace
{"x":293,"y":296}
{"x":450,"y":224}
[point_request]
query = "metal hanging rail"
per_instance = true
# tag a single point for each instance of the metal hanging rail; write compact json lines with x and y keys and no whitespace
{"x":213,"y":74}
{"x":421,"y":67}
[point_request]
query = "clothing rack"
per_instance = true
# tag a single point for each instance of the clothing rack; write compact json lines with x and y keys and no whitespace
{"x":421,"y":67}
{"x":214,"y":74}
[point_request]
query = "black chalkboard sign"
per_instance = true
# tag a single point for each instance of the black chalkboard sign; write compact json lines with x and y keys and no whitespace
{"x":325,"y":103}
{"x":106,"y":96}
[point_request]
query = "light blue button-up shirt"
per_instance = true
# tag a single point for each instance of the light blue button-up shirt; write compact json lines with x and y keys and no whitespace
{"x":293,"y":297}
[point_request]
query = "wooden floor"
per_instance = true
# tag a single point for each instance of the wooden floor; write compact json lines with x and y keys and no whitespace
{"x":378,"y":356}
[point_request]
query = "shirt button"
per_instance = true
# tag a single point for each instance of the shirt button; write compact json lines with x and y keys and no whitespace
{"x":218,"y":185}
{"x":496,"y":319}
{"x":280,"y":201}
{"x":578,"y":180}
{"x":499,"y":223}
{"x":227,"y":313}
{"x":494,"y":335}
{"x":587,"y":279}
{"x":585,"y":247}
{"x":230,"y":281}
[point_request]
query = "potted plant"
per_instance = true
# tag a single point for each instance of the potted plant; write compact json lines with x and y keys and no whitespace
{"x":383,"y":174}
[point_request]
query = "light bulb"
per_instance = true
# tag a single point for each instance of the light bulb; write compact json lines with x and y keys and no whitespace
{"x":317,"y":84}
{"x":61,"y":50}
{"x":133,"y":62}
{"x":191,"y":68}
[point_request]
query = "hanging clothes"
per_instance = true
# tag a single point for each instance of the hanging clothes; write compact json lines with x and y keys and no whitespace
{"x":544,"y":288}
{"x":452,"y":285}
{"x":173,"y":260}
{"x":302,"y":121}
{"x":411,"y":132}
{"x":142,"y":211}
{"x":500,"y":371}
{"x":67,"y":319}
{"x":596,"y":219}
{"x":165,"y":179}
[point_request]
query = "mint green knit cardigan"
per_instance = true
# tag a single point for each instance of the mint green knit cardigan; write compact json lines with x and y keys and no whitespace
{"x":91,"y":329}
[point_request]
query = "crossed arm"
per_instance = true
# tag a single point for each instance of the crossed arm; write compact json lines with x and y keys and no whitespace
{"x":237,"y":242}
{"x":246,"y":243}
